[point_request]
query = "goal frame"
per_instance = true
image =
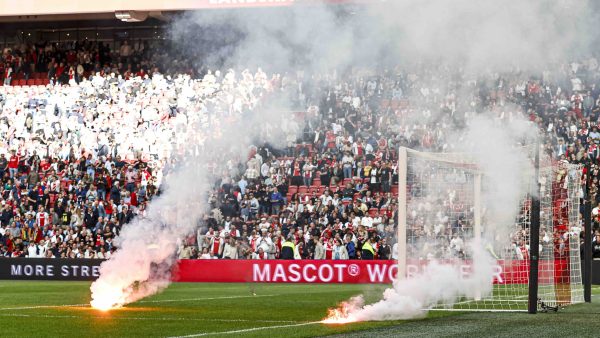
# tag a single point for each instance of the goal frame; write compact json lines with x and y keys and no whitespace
{"x":533,"y":282}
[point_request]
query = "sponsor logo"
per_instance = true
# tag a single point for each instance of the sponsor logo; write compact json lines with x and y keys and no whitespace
{"x":42,"y":270}
{"x":353,"y":270}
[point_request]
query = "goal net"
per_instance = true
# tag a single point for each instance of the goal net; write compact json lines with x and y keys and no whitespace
{"x":446,"y":207}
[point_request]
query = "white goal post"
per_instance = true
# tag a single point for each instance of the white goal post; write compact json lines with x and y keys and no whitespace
{"x":442,"y":203}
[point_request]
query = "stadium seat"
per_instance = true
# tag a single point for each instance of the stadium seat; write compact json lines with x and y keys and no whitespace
{"x":373,"y":212}
{"x":346,"y":181}
{"x":302,"y":189}
{"x":292,"y":189}
{"x":14,"y":82}
{"x":322,"y":189}
{"x":316,"y":181}
{"x":46,"y":82}
{"x":22,"y":82}
{"x":31,"y":82}
{"x":38,"y":82}
{"x":394,"y":190}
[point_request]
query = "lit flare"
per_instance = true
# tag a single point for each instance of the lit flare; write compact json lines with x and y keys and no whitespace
{"x":344,"y":313}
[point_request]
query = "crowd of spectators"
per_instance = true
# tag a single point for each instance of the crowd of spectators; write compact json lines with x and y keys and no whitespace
{"x":82,"y":156}
{"x":72,"y":61}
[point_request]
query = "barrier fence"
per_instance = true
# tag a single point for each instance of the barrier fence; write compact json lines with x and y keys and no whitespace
{"x":261,"y":271}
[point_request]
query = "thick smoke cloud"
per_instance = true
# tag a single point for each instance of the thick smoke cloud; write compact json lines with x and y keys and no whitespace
{"x":479,"y":35}
{"x":474,"y":35}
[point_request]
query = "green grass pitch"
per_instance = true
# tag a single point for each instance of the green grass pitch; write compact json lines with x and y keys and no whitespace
{"x":59,"y":309}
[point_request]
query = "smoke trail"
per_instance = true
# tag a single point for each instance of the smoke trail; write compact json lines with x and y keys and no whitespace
{"x":147,"y":246}
{"x":496,"y":151}
{"x":411,"y":298}
{"x":477,"y":35}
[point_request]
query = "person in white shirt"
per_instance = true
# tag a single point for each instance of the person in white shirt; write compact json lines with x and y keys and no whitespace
{"x":103,"y":254}
{"x":367,"y":221}
{"x":205,"y":254}
{"x":32,"y":250}
{"x":456,"y":244}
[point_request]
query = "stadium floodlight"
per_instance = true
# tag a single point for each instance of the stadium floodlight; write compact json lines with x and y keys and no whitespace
{"x":444,"y":203}
{"x":131,"y":16}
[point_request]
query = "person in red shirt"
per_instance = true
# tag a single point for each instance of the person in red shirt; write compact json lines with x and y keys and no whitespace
{"x":13,"y":164}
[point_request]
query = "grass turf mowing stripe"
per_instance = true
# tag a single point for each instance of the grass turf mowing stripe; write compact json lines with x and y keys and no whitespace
{"x":212,"y":298}
{"x":143,"y":301}
{"x":245,"y":330}
{"x":148,"y":318}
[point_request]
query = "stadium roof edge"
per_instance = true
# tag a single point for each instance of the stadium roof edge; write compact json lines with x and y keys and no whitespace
{"x":22,"y":9}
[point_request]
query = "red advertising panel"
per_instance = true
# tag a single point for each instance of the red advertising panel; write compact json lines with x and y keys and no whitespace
{"x":336,"y":271}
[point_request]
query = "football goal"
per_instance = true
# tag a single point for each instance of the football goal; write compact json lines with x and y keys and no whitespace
{"x":447,"y":202}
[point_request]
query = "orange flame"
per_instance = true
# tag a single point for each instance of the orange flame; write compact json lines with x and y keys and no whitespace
{"x":343,"y":314}
{"x":106,"y":303}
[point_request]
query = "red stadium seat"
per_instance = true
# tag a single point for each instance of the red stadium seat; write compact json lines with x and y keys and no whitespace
{"x":322,"y":189}
{"x":292,"y":189}
{"x":31,"y":82}
{"x":373,"y":212}
{"x":302,"y":189}
{"x":316,"y":181}
{"x":14,"y":82}
{"x":46,"y":82}
{"x":22,"y":82}
{"x":394,"y":190}
{"x":38,"y":82}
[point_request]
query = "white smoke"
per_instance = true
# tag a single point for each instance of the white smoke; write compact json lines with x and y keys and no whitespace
{"x":505,"y":165}
{"x":476,"y":35}
{"x":437,"y":283}
{"x":146,"y":247}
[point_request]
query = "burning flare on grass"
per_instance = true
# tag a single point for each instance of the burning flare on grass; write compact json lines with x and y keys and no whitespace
{"x":105,"y":304}
{"x":344,"y":313}
{"x":438,"y":283}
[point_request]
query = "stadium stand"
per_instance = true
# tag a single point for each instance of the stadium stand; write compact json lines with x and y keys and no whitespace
{"x":73,"y":174}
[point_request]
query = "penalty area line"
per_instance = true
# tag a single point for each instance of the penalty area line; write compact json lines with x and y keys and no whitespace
{"x":246,"y":330}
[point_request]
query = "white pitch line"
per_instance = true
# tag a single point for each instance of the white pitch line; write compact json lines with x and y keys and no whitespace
{"x":41,"y":307}
{"x":245,"y":330}
{"x":143,"y":301}
{"x":147,"y":318}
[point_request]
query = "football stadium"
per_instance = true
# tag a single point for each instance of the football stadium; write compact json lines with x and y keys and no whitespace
{"x":299,"y":168}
